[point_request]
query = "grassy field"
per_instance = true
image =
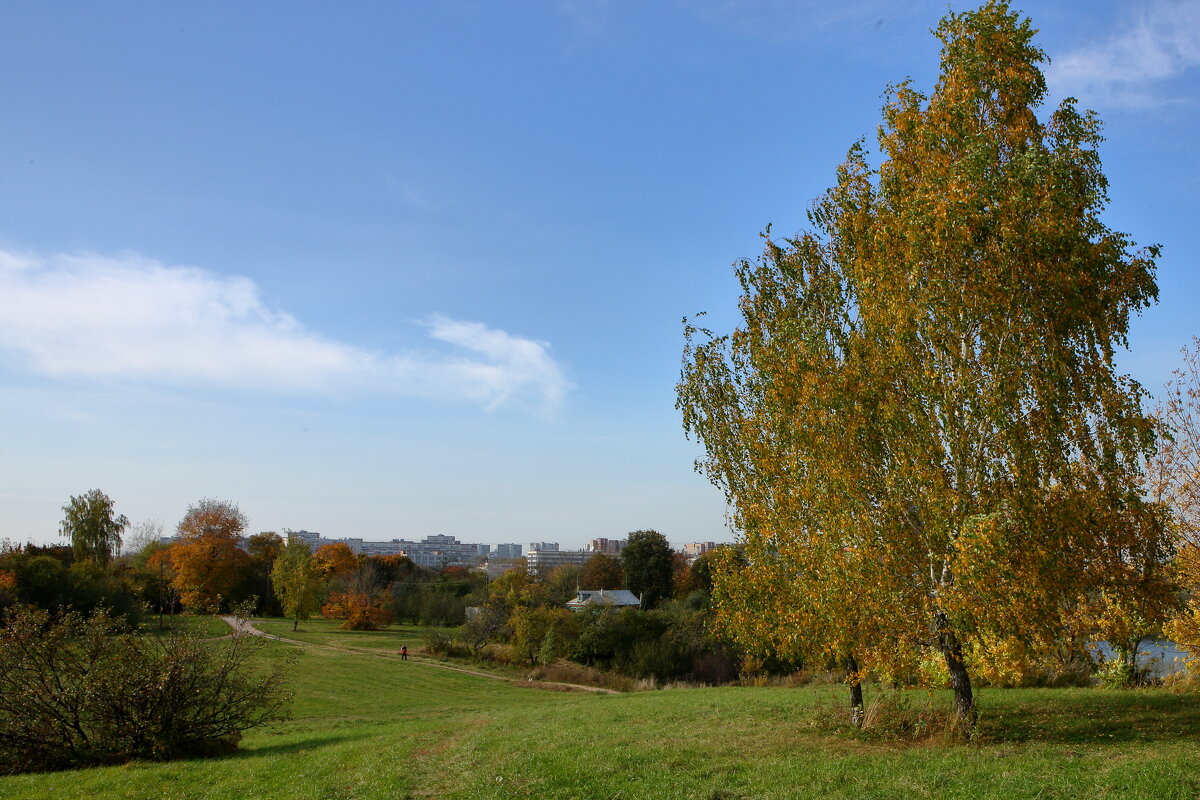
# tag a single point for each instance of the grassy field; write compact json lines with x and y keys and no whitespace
{"x":203,"y":625}
{"x":329,"y":632}
{"x":387,"y":642}
{"x":366,"y":725}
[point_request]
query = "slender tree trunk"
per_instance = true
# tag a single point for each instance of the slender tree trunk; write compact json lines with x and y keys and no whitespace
{"x":960,"y":682}
{"x":1135,"y":678}
{"x":161,"y":592}
{"x":856,"y":693}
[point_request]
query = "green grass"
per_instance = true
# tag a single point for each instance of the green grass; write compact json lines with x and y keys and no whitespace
{"x":385,"y":642}
{"x":329,"y":632}
{"x":366,"y":726}
{"x":204,"y":624}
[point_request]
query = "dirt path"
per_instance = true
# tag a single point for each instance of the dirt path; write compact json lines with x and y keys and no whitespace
{"x":246,"y":626}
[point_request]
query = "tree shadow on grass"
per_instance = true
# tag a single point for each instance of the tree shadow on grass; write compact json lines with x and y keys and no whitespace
{"x":1097,"y":717}
{"x":310,"y":743}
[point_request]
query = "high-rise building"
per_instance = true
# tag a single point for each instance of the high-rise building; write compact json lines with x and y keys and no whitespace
{"x":542,"y":561}
{"x":435,"y":552}
{"x":312,"y":537}
{"x":697,"y":549}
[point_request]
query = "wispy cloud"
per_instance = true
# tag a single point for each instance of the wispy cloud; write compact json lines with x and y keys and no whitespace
{"x":1160,"y":41}
{"x":503,"y":367}
{"x":132,"y":318}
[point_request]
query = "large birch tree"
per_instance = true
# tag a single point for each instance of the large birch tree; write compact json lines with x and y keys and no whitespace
{"x":919,"y":419}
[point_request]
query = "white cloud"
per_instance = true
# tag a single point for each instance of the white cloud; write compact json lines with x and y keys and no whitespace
{"x":1161,"y":41}
{"x":505,"y":367}
{"x":131,"y":318}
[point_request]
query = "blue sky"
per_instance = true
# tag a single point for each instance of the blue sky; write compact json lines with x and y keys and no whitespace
{"x":393,"y":269}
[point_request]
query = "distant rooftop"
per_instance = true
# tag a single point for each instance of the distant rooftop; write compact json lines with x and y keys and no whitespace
{"x":605,"y":597}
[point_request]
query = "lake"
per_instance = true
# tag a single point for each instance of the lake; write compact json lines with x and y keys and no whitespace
{"x":1161,"y":656}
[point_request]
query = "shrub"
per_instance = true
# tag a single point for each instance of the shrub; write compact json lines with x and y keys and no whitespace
{"x":486,"y":624}
{"x":440,"y":643}
{"x":661,"y":659}
{"x":670,"y":643}
{"x":531,"y":626}
{"x":1115,"y":673}
{"x":437,"y":642}
{"x":78,"y":691}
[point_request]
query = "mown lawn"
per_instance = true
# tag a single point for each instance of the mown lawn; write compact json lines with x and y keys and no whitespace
{"x":367,"y":726}
{"x":329,"y":632}
{"x":386,"y":642}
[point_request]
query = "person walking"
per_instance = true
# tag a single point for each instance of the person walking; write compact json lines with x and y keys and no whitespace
{"x":404,"y":652}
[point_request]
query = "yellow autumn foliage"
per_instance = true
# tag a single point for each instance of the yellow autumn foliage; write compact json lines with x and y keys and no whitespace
{"x":1184,"y":627}
{"x":918,"y":425}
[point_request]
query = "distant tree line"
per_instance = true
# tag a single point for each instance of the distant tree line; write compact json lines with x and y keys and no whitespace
{"x":523,"y":617}
{"x":212,"y":565}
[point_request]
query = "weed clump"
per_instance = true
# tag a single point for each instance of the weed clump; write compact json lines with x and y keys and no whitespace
{"x":888,"y":715}
{"x":570,"y":672}
{"x":1184,"y":682}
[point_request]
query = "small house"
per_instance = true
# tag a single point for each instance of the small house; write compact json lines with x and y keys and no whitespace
{"x":615,"y":598}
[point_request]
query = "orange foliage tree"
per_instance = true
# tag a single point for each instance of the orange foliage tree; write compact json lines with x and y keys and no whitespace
{"x":925,"y":381}
{"x":335,"y":560}
{"x":360,"y":590}
{"x":361,"y":610}
{"x":206,"y":558}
